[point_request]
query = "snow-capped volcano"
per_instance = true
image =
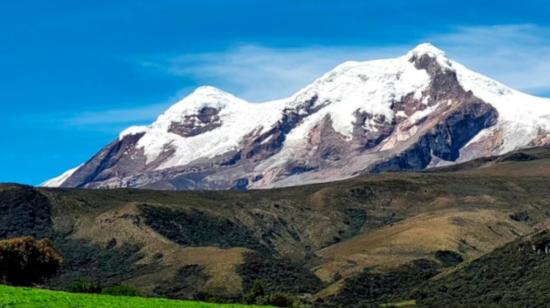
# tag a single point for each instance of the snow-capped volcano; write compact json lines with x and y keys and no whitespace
{"x":416,"y":111}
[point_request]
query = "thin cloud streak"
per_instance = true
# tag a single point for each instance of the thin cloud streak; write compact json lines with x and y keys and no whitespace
{"x":109,"y":121}
{"x":259,"y":73}
{"x":117,"y":116}
{"x":517,"y":55}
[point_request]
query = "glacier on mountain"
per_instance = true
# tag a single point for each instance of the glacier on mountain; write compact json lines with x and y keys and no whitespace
{"x":356,"y":117}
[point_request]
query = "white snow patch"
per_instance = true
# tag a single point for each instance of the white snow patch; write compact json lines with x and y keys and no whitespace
{"x":349,"y":88}
{"x":59,"y":180}
{"x":132,"y":130}
{"x":238,"y":118}
{"x":521,"y":116}
{"x":419,"y":115}
{"x":432,"y":51}
{"x":369,"y":87}
{"x":352,"y":87}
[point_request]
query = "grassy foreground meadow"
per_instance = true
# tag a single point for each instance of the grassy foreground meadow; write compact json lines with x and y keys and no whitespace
{"x":30,"y":297}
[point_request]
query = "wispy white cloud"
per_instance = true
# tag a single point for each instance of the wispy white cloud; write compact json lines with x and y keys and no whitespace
{"x":116,"y":116}
{"x":518,"y":55}
{"x":111,"y":120}
{"x":259,"y":73}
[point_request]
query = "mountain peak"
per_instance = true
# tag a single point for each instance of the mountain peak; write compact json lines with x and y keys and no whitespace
{"x":210,"y":93}
{"x":427,"y":49}
{"x":209,"y":90}
{"x":430,"y":51}
{"x":204,"y":96}
{"x":370,"y":116}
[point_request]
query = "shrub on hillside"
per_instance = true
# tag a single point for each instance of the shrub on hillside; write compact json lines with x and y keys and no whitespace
{"x":257,"y":295}
{"x":277,"y":300}
{"x":25,"y":260}
{"x":372,"y":287}
{"x":277,"y":275}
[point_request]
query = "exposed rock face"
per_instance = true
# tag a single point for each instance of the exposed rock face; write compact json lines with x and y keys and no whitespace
{"x":272,"y":141}
{"x":414,"y":112}
{"x":463,"y":119}
{"x":380,"y":129}
{"x":205,"y":120}
{"x":445,"y":140}
{"x":117,"y":160}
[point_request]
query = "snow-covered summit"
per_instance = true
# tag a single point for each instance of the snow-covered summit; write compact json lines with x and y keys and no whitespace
{"x":414,"y":111}
{"x":58,"y":181}
{"x":427,"y":49}
{"x":205,"y":96}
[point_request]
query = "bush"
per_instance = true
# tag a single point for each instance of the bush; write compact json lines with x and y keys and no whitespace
{"x":257,"y":295}
{"x":122,"y":291}
{"x":85,"y":286}
{"x":25,"y":260}
{"x":277,"y":300}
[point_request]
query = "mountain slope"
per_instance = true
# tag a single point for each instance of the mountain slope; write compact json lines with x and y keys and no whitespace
{"x":417,"y":111}
{"x":516,"y":275}
{"x":307,"y":239}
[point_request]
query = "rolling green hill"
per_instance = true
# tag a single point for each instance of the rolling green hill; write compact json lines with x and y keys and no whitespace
{"x":318,"y":242}
{"x":29,"y":297}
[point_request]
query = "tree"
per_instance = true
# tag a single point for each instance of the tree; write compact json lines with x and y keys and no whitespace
{"x":25,"y":260}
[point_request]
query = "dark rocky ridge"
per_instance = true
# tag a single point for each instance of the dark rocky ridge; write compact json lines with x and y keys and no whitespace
{"x":206,"y":120}
{"x":467,"y":116}
{"x":269,"y":143}
{"x":115,"y":160}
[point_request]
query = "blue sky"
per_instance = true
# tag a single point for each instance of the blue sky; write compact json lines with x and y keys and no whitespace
{"x":75,"y":73}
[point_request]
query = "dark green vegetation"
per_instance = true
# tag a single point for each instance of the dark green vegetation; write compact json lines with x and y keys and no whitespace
{"x":372,"y":287}
{"x":277,"y":275}
{"x":194,"y":228}
{"x":24,"y":260}
{"x":516,"y":275}
{"x":448,"y":257}
{"x":25,"y":212}
{"x":426,"y":237}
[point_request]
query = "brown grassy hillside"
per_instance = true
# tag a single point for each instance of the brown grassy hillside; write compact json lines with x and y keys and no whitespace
{"x":310,"y":239}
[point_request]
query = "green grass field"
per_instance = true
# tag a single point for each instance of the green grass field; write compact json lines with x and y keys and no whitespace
{"x":29,"y":297}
